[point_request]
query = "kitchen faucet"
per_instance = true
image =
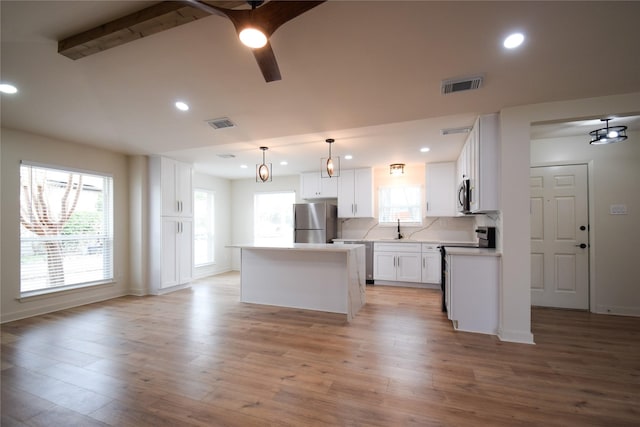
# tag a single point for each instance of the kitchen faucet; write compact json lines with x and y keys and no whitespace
{"x":399,"y":235}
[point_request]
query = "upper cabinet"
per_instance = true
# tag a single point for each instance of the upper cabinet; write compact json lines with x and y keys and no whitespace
{"x":440,"y":189}
{"x":176,"y":187}
{"x":355,"y":193}
{"x":313,"y":186}
{"x":479,"y":162}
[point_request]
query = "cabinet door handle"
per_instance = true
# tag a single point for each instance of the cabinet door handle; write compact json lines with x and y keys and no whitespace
{"x":423,"y":264}
{"x":356,"y":205}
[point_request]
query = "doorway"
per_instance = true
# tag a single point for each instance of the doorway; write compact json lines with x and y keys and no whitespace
{"x":559,"y":236}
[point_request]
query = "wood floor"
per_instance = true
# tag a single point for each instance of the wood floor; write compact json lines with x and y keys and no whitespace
{"x":199,"y":357}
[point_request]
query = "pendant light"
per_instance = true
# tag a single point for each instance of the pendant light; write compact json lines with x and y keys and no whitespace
{"x":608,"y":134}
{"x":330,"y":166}
{"x":263,"y":171}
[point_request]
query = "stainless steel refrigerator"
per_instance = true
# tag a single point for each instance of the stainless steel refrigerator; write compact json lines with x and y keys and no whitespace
{"x":315,"y":222}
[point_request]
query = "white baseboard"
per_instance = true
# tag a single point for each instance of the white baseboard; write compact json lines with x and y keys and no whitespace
{"x":50,"y":308}
{"x":618,"y":310}
{"x":172,"y":289}
{"x":406,"y":284}
{"x":522,"y":337}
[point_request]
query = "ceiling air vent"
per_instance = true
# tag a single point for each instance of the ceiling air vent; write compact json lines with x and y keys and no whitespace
{"x":226,"y":156}
{"x":221,"y":123}
{"x":461,"y":84}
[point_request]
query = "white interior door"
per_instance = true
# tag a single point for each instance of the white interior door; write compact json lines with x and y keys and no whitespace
{"x":559,"y":237}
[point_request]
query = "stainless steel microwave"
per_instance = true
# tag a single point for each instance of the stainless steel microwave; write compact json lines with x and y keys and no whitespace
{"x":464,"y":196}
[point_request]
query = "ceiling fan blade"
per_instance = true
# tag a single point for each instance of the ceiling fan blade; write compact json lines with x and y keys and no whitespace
{"x":275,"y":13}
{"x":267,"y":62}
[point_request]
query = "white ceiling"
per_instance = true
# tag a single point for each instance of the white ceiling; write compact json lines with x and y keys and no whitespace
{"x":366,"y":73}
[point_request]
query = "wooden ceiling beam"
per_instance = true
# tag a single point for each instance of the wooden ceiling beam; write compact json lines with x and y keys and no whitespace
{"x":153,"y":19}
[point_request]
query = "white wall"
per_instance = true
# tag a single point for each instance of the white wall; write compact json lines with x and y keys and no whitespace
{"x":17,"y":146}
{"x":242,"y":191}
{"x":515,"y":295}
{"x":614,"y":172}
{"x":222,"y":189}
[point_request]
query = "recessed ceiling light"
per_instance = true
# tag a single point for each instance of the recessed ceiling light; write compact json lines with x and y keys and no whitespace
{"x":425,"y":149}
{"x":513,"y":40}
{"x":348,"y":157}
{"x":284,"y":163}
{"x":182,"y":106}
{"x":243,"y":166}
{"x":8,"y":88}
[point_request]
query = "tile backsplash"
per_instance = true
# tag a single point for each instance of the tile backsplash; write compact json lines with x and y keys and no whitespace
{"x":440,"y":229}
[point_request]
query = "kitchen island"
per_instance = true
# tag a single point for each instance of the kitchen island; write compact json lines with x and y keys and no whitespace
{"x":311,"y":276}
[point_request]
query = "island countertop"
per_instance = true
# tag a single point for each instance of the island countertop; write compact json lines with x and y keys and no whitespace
{"x":323,"y":247}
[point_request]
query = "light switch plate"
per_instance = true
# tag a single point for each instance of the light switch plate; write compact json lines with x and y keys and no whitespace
{"x":618,"y":209}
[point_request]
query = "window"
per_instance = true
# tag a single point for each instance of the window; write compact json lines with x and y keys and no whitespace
{"x":273,"y":218}
{"x":66,"y":228}
{"x":403,"y":203}
{"x":203,"y":230}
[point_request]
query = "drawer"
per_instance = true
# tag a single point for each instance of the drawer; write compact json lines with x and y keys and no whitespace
{"x":398,"y":247}
{"x":430,"y":247}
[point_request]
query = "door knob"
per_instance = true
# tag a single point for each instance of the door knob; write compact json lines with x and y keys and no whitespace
{"x":581,"y":245}
{"x":582,"y":227}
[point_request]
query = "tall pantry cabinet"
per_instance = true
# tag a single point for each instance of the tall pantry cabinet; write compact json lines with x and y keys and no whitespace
{"x":171,"y":224}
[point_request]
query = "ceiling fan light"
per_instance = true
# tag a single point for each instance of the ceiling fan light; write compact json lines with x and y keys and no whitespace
{"x":253,"y":38}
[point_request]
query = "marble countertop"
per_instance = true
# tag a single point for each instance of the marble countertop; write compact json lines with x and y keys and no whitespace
{"x":324,"y":247}
{"x":473,"y":251}
{"x":434,"y":242}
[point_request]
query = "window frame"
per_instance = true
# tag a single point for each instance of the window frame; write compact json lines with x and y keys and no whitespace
{"x":211,"y":234}
{"x":255,"y":217}
{"x":412,"y":222}
{"x":107,"y":236}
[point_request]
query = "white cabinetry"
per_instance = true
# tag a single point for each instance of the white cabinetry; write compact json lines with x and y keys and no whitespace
{"x":397,"y":262}
{"x":440,"y":189}
{"x":479,"y":162}
{"x":472,"y":292}
{"x":171,"y":224}
{"x":313,"y":186}
{"x":176,"y":187}
{"x":177,"y":251}
{"x":355,"y":193}
{"x":431,"y":263}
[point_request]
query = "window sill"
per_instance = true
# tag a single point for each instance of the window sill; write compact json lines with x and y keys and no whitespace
{"x":54,"y":292}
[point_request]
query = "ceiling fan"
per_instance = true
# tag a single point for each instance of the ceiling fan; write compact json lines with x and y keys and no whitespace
{"x":265,"y":18}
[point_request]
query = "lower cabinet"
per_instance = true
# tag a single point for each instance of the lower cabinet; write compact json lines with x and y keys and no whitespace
{"x":397,"y":262}
{"x":431,"y":264}
{"x":471,"y":292}
{"x":176,"y":251}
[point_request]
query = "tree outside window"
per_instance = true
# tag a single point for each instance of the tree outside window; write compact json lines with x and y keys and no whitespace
{"x":66,"y":228}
